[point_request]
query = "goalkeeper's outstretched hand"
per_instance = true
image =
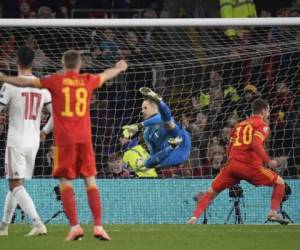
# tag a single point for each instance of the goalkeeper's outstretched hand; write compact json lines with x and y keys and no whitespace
{"x":130,"y":130}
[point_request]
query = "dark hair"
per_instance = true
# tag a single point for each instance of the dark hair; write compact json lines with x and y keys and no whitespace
{"x":25,"y":57}
{"x":258,"y":105}
{"x":71,"y":59}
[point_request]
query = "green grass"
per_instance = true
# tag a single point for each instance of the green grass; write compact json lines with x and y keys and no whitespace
{"x":161,"y":237}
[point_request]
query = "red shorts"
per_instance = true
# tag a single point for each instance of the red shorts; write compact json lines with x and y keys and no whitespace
{"x":236,"y":171}
{"x":74,"y":160}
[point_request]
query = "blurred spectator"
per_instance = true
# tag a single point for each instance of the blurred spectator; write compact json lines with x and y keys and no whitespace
{"x":7,"y":49}
{"x":130,"y":50}
{"x":62,"y":12}
{"x":216,"y":156}
{"x":244,"y":108}
{"x":117,"y":168}
{"x":41,"y":61}
{"x":109,"y":47}
{"x":44,"y":12}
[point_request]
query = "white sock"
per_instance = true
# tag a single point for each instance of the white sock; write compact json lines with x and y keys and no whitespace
{"x":25,"y":202}
{"x":9,"y":207}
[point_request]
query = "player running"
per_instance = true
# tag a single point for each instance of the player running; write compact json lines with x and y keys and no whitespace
{"x":246,"y":160}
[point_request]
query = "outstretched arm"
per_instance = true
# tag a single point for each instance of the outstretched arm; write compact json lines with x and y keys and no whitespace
{"x":19,"y":81}
{"x":111,"y":73}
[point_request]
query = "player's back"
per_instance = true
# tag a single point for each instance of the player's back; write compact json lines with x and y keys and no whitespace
{"x":241,"y":140}
{"x":71,"y":93}
{"x":25,"y":106}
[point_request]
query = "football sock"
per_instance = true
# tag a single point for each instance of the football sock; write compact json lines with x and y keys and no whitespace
{"x":277,"y":195}
{"x":69,"y":204}
{"x":25,"y":202}
{"x":203,"y":203}
{"x":10,"y":205}
{"x":94,"y":203}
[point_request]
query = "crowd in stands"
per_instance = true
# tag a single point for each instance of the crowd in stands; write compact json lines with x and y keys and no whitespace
{"x":207,"y":107}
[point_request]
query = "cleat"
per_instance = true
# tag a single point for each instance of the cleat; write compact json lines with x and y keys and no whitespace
{"x":148,"y":93}
{"x":277,"y":218}
{"x":37,"y":230}
{"x":3,"y":229}
{"x":174,"y":142}
{"x":192,"y":221}
{"x":75,"y":233}
{"x":100,"y":233}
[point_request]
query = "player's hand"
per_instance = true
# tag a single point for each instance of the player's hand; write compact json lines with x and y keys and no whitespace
{"x":282,"y":161}
{"x":273,"y":164}
{"x":122,"y":65}
{"x":130,"y":130}
{"x":42,"y":136}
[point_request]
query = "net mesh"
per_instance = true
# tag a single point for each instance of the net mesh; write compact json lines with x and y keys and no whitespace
{"x":208,"y":79}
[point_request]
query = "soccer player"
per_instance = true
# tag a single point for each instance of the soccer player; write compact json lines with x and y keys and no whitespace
{"x":25,"y":107}
{"x":74,"y":153}
{"x":169,"y":144}
{"x":246,"y":160}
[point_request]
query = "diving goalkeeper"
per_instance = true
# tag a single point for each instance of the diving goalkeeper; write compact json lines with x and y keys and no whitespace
{"x":169,"y":144}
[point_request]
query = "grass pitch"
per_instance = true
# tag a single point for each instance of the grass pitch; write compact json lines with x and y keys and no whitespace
{"x":161,"y":237}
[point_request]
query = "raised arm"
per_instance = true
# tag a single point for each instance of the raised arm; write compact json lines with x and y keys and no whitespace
{"x":111,"y":73}
{"x":19,"y":81}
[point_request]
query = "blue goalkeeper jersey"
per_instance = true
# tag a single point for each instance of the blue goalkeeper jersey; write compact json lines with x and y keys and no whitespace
{"x":156,"y":135}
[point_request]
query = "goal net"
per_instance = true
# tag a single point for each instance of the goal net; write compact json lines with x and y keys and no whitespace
{"x":208,"y":79}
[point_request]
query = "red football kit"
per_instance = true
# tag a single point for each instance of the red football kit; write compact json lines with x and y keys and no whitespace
{"x":71,"y":94}
{"x":246,"y":156}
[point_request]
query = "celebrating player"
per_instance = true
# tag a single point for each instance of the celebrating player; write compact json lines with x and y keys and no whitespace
{"x":23,"y":139}
{"x":74,"y":153}
{"x":169,"y":144}
{"x":246,"y":160}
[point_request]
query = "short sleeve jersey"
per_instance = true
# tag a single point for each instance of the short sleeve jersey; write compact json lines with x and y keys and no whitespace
{"x":242,"y":137}
{"x":71,"y":94}
{"x":25,"y":107}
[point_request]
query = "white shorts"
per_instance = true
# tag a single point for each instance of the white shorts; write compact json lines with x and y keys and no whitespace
{"x":19,"y":162}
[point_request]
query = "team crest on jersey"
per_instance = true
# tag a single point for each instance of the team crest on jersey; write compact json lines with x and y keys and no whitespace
{"x":266,"y":129}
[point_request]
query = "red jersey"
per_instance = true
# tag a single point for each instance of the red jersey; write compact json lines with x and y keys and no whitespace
{"x":241,"y":147}
{"x":71,"y":94}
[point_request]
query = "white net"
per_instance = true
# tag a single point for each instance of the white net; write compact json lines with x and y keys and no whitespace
{"x":207,"y":79}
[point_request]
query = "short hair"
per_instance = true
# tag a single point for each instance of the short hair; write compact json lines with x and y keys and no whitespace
{"x":71,"y":59}
{"x":258,"y":105}
{"x":25,"y":57}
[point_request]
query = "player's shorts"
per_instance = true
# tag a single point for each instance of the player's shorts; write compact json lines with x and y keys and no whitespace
{"x":236,"y":171}
{"x":74,"y":160}
{"x":20,"y":162}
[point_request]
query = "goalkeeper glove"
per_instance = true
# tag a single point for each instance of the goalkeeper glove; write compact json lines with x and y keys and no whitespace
{"x":130,"y":130}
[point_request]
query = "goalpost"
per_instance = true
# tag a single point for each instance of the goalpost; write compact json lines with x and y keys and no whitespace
{"x":208,"y":78}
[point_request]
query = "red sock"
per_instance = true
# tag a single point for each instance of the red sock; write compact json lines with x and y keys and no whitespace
{"x":94,"y":203}
{"x":69,"y":204}
{"x":203,"y":203}
{"x":277,"y":195}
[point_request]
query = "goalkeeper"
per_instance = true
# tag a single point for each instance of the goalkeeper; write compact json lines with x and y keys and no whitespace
{"x":169,"y":144}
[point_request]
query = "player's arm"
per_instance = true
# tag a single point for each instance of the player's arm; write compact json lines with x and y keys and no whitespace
{"x":48,"y":127}
{"x":258,"y":148}
{"x":20,"y":81}
{"x":111,"y":73}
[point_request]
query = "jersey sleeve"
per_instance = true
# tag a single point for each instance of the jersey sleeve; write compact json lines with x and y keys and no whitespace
{"x":5,"y":94}
{"x":46,"y":82}
{"x":262,"y":131}
{"x":94,"y":81}
{"x":47,"y":97}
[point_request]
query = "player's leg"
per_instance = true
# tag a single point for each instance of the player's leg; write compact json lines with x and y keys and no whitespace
{"x":266,"y":177}
{"x":10,"y":205}
{"x":88,"y":170}
{"x":222,"y":181}
{"x":21,"y":163}
{"x":64,"y":168}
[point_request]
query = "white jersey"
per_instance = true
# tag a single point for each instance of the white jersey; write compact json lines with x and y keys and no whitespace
{"x":25,"y":106}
